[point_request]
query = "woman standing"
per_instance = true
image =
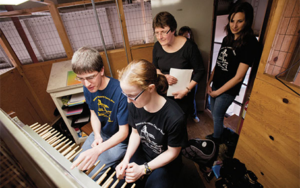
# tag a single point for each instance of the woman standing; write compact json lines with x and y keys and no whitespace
{"x":237,"y":53}
{"x":158,"y":129}
{"x":172,"y":51}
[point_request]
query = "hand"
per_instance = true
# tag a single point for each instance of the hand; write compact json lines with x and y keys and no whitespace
{"x":87,"y":159}
{"x":134,"y":172}
{"x":171,"y":79}
{"x":98,"y":140}
{"x":180,"y":94}
{"x":214,"y":94}
{"x":120,"y":169}
{"x":209,"y":89}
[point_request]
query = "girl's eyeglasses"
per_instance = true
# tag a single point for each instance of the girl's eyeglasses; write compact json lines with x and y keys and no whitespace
{"x":134,"y":98}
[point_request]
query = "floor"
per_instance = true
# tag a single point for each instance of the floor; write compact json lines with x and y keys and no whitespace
{"x":203,"y":128}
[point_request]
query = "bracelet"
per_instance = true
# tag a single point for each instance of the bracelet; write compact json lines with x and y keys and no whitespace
{"x":188,"y":89}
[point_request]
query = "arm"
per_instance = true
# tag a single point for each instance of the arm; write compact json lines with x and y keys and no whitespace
{"x":209,"y":89}
{"x":134,"y":171}
{"x":196,"y":61}
{"x":88,"y":158}
{"x":96,"y":126}
{"x":134,"y":142}
{"x":242,"y":70}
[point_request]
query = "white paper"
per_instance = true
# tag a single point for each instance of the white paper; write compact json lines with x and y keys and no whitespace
{"x":77,"y":97}
{"x":183,"y":79}
{"x":82,"y":119}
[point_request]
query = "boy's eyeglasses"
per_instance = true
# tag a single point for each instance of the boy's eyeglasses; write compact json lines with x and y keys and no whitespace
{"x":134,"y":98}
{"x":89,"y":78}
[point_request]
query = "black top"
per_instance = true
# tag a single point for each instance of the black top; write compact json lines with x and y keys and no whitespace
{"x":229,"y":60}
{"x":187,"y":57}
{"x":157,"y":131}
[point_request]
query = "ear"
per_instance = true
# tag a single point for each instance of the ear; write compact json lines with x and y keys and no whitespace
{"x":102,"y":71}
{"x":151,"y":87}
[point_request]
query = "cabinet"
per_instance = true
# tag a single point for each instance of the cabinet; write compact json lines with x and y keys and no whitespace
{"x":57,"y":88}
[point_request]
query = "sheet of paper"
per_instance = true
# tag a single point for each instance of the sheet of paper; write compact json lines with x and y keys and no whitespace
{"x":183,"y":79}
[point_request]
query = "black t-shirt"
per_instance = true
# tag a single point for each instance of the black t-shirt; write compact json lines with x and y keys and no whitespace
{"x":157,"y":131}
{"x":229,"y":60}
{"x":187,"y":57}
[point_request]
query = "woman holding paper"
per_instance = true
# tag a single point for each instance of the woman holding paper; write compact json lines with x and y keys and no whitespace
{"x":172,"y":51}
{"x":158,"y":129}
{"x":239,"y":50}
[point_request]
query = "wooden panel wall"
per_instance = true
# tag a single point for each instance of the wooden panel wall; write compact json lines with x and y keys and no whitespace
{"x":270,"y":137}
{"x":15,"y":96}
{"x":18,"y":99}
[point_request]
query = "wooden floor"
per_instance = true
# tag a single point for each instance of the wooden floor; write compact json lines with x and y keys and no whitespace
{"x":205,"y":127}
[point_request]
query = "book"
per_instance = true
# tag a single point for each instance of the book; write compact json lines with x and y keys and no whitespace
{"x":76,"y":99}
{"x":71,"y":79}
{"x":74,"y":110}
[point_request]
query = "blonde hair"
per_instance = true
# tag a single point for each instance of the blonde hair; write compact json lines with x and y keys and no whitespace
{"x":142,"y":73}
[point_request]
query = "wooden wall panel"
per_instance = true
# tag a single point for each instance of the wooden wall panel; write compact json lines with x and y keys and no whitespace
{"x":268,"y":115}
{"x":142,"y":52}
{"x":38,"y":76}
{"x":15,"y":96}
{"x":270,"y":137}
{"x":117,"y":60}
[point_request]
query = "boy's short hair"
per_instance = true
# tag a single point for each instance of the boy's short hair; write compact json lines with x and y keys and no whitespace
{"x":85,"y":60}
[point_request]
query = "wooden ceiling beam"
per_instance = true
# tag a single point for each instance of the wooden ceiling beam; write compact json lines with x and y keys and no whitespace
{"x":23,"y":36}
{"x":10,"y":53}
{"x":124,"y":29}
{"x":61,"y":29}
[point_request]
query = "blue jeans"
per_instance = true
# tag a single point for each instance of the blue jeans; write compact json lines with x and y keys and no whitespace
{"x":111,"y":157}
{"x":219,"y":106}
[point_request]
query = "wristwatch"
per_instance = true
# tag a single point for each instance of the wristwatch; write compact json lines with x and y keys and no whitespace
{"x":189,"y":90}
{"x":147,"y":169}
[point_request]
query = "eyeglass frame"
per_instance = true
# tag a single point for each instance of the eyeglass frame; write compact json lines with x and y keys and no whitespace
{"x":89,"y":78}
{"x":163,"y":33}
{"x":135,"y":98}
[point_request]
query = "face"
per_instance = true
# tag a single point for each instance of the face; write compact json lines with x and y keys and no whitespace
{"x":91,"y":80}
{"x":134,"y":94}
{"x":237,"y":23}
{"x":186,"y":35}
{"x":164,"y":35}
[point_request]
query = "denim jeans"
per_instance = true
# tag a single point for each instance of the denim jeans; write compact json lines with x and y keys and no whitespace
{"x":111,"y":157}
{"x":163,"y":177}
{"x":219,"y":106}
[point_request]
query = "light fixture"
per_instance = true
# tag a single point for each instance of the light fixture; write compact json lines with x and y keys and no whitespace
{"x":12,"y":2}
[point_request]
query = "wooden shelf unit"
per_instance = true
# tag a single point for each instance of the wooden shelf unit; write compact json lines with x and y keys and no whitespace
{"x":57,"y":88}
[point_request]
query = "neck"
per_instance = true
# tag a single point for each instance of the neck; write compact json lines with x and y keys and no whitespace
{"x":104,"y":83}
{"x":155,"y":104}
{"x":236,"y":36}
{"x":171,"y":44}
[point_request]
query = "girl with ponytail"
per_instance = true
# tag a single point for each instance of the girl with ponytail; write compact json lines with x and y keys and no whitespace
{"x":158,"y":128}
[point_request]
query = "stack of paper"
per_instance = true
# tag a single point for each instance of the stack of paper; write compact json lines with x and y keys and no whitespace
{"x":74,"y":110}
{"x":82,"y":119}
{"x":76,"y":99}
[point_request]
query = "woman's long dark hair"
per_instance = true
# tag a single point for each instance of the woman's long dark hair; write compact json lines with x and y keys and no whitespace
{"x":247,"y":9}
